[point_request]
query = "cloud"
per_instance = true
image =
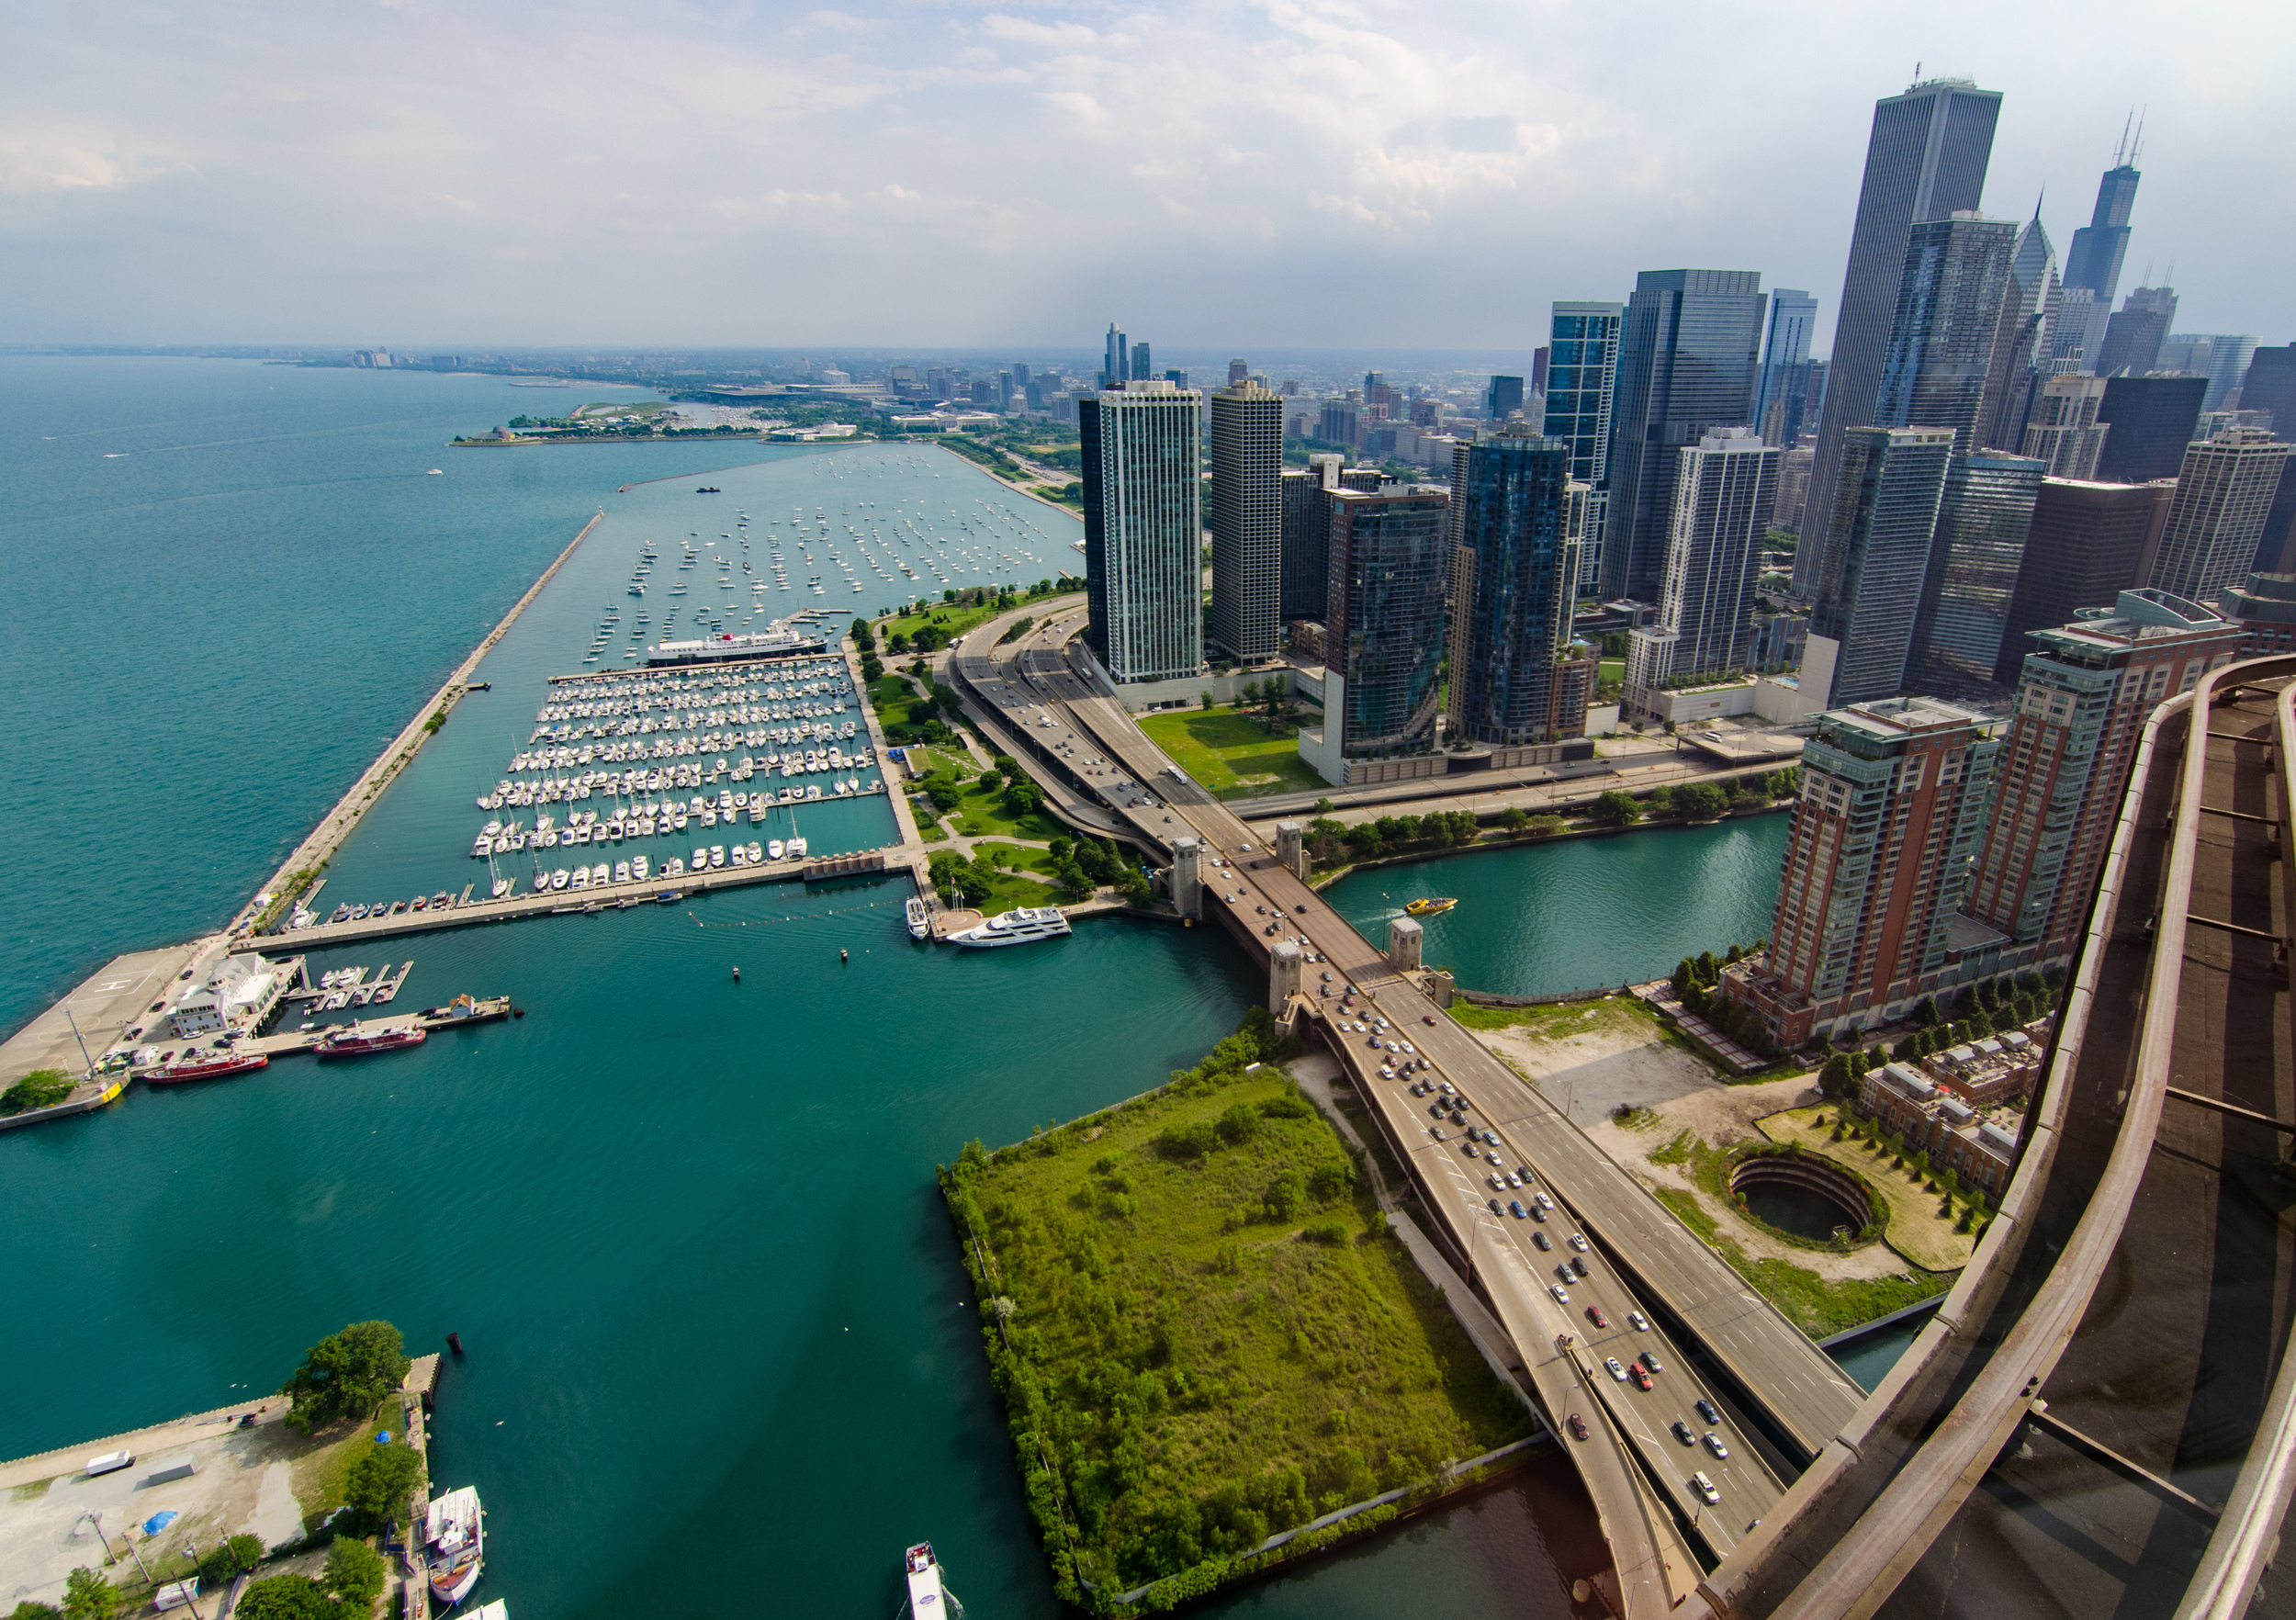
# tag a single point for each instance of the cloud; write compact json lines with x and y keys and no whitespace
{"x":44,"y":165}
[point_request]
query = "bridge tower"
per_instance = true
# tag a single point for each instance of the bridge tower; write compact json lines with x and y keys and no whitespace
{"x":1283,"y":976}
{"x":1402,"y":943}
{"x":1291,"y":848}
{"x":1187,"y":888}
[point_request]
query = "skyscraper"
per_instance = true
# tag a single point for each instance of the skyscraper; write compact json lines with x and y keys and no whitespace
{"x":1784,"y":367}
{"x":2062,"y":429}
{"x":1724,"y":490}
{"x":2150,"y":421}
{"x":1383,"y":630}
{"x":2135,"y":334}
{"x":1144,"y":367}
{"x":1307,"y":538}
{"x":1983,"y":523}
{"x":1116,"y":364}
{"x":1925,"y":160}
{"x":2269,"y":384}
{"x":1503,"y":397}
{"x":1237,"y":372}
{"x":1144,"y":530}
{"x":1894,"y":796}
{"x":2087,"y":544}
{"x":1885,"y":500}
{"x":1513,"y":589}
{"x":1247,"y":521}
{"x":1688,"y":353}
{"x":2084,"y":690}
{"x":2229,"y":357}
{"x":2021,"y":347}
{"x":1582,"y":376}
{"x":1938,"y":359}
{"x":2225,"y":491}
{"x":2092,"y":260}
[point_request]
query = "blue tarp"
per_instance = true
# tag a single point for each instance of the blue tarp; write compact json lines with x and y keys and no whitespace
{"x":159,"y":1521}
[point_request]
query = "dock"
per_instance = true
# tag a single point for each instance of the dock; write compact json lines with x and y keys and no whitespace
{"x":294,"y":1043}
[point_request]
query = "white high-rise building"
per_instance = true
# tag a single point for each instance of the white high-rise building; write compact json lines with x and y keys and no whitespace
{"x":1144,"y":530}
{"x":2063,"y":428}
{"x":1724,"y":488}
{"x":2225,"y":491}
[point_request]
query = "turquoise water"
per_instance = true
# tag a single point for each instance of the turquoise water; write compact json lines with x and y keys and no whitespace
{"x":1545,"y":918}
{"x":686,"y":1228}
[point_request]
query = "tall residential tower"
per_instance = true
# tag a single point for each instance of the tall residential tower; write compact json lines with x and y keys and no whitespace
{"x":1144,"y":530}
{"x":1247,"y":521}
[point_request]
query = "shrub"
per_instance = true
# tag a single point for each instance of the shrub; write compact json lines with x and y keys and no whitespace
{"x":356,"y":1573}
{"x":88,"y":1596}
{"x":1238,"y":1124}
{"x":1330,"y":1233}
{"x":286,"y":1597}
{"x":1285,"y":1195}
{"x":380,"y":1479}
{"x":346,"y":1374}
{"x":1187,"y":1141}
{"x":40,"y":1089}
{"x":238,"y":1555}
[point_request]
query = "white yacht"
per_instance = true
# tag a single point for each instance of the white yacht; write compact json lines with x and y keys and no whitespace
{"x":454,"y":1536}
{"x":1019,"y":926}
{"x":920,"y":919}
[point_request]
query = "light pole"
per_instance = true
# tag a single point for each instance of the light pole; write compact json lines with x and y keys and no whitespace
{"x":191,"y":1551}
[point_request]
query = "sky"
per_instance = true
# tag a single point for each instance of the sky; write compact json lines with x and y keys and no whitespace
{"x":1353,"y":174}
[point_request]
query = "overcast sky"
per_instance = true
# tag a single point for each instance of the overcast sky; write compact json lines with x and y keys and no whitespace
{"x":1296,"y":172}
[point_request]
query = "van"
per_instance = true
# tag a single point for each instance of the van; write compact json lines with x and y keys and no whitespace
{"x":1705,"y":1487}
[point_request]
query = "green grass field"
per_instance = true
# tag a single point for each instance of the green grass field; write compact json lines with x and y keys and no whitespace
{"x":1229,"y":753}
{"x":1208,"y":1327}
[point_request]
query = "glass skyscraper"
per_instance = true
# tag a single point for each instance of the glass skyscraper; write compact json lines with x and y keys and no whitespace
{"x":1723,"y":491}
{"x":1784,"y":367}
{"x":1939,"y":356}
{"x":1982,"y":524}
{"x":1582,"y":376}
{"x":1247,"y":521}
{"x":1383,"y":621}
{"x":1144,"y":530}
{"x":1515,"y":588}
{"x":1884,"y":519}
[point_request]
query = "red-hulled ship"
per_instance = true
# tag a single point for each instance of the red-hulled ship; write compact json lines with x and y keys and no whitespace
{"x":207,"y":1068}
{"x":357,"y":1042}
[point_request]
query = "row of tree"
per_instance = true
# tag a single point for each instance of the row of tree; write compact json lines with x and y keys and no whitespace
{"x":1330,"y":842}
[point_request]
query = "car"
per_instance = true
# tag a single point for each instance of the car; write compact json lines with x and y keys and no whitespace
{"x":1496,"y":1185}
{"x":1409,"y":1047}
{"x":1459,"y":1119}
{"x":1435,"y":1131}
{"x":1544,"y":1202}
{"x":1640,"y":1323}
{"x":1561,"y":1296}
{"x":1495,"y":1210}
{"x":1426,"y":1018}
{"x":1578,"y":1426}
{"x":1513,"y":1179}
{"x":1641,"y":1378}
{"x":1683,"y":1434}
{"x":1650,"y":1361}
{"x":1472,"y":1151}
{"x":1578,"y":1267}
{"x":1541,"y":1242}
{"x":1706,"y":1410}
{"x":1713,"y":1444}
{"x":1301,"y":908}
{"x":1594,"y":1314}
{"x":1538,"y":1213}
{"x":1514,"y":1208}
{"x":1616,"y":1371}
{"x":1705,"y":1487}
{"x":1578,"y":1243}
{"x":1448,"y":1089}
{"x":1262,"y":909}
{"x":1492,"y":1158}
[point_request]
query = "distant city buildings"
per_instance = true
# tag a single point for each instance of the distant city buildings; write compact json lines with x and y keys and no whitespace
{"x":1144,"y":530}
{"x":2092,"y":260}
{"x":2135,"y":334}
{"x":2062,"y":429}
{"x":1782,"y":390}
{"x":1503,"y":397}
{"x":1247,"y":521}
{"x":1724,"y":489}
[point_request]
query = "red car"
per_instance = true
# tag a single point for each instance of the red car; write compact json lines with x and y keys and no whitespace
{"x":1641,"y":1378}
{"x":1578,"y":1426}
{"x":1594,"y":1314}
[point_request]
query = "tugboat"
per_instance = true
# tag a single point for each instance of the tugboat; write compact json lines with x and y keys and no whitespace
{"x":1435,"y":907}
{"x":193,"y":1067}
{"x":356,"y":1043}
{"x":453,"y":1535}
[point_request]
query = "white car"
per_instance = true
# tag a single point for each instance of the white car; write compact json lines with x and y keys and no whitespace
{"x":1641,"y":1323}
{"x":1578,"y":1243}
{"x":1616,"y":1371}
{"x":1562,"y":1297}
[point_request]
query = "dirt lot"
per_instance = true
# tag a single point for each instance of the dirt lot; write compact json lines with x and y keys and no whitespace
{"x":1588,"y":1057}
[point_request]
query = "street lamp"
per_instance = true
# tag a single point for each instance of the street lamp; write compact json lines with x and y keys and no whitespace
{"x":191,"y":1551}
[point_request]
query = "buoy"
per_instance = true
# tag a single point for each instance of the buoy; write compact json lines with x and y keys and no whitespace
{"x":453,"y":1343}
{"x":518,"y":1012}
{"x":736,"y":975}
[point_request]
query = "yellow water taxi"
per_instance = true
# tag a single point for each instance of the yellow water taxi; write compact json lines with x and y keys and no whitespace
{"x":1430,"y":907}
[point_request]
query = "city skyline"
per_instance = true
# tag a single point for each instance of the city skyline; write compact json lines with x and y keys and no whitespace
{"x":341,"y":181}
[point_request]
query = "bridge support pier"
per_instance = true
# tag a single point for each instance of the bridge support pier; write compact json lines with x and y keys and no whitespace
{"x":1403,"y":937}
{"x":1283,"y":976}
{"x":1291,"y":848}
{"x":1188,"y":886}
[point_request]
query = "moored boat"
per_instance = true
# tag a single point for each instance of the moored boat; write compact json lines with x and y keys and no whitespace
{"x":1018,"y":926}
{"x":210,"y":1068}
{"x":357,"y":1042}
{"x":454,"y":1537}
{"x":920,"y":919}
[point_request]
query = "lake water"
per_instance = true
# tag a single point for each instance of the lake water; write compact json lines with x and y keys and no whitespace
{"x":1544,"y":919}
{"x":687,"y":1229}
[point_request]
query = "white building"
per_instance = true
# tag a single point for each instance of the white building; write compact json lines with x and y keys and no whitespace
{"x":238,"y":994}
{"x":1144,"y":530}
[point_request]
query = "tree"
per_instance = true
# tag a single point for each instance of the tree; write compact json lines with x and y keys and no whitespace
{"x":286,"y":1597}
{"x":1618,"y":808}
{"x":88,"y":1596}
{"x":28,"y":1610}
{"x":347,"y":1375}
{"x":356,"y":1573}
{"x":1207,"y":701}
{"x":239,"y":1556}
{"x":1239,"y":1124}
{"x":1515,"y":818}
{"x":1024,"y":798}
{"x":990,"y":781}
{"x":1701,"y":801}
{"x":40,"y":1089}
{"x":380,"y":1479}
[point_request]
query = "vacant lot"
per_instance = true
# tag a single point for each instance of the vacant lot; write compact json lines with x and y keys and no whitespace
{"x":1230,"y":753}
{"x":1589,"y":1057}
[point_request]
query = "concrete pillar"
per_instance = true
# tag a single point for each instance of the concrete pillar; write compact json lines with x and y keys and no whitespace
{"x":1402,"y":943}
{"x":1283,"y":976}
{"x":1291,"y":848}
{"x":1441,"y":988}
{"x":1187,"y":888}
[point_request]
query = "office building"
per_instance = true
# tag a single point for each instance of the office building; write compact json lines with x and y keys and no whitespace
{"x":1784,"y":380}
{"x":1581,"y":381}
{"x":1514,"y":587}
{"x":1540,"y":358}
{"x":1891,"y":483}
{"x":1144,"y":367}
{"x":1306,"y":583}
{"x":1116,"y":362}
{"x":1925,"y":160}
{"x":2083,"y":695}
{"x":2265,"y":608}
{"x":2135,"y":334}
{"x":1983,"y":523}
{"x":1384,"y":622}
{"x":2093,"y":258}
{"x":1237,"y":372}
{"x":2021,"y":344}
{"x":1341,"y":422}
{"x":2269,"y":384}
{"x":2216,"y":518}
{"x":2087,"y":543}
{"x":1794,"y":467}
{"x":1723,"y":491}
{"x":1247,"y":521}
{"x":1689,"y":349}
{"x":1893,"y":804}
{"x":1503,"y":397}
{"x":2151,"y":420}
{"x":2230,"y":356}
{"x":1939,"y":356}
{"x":2062,"y":429}
{"x":1144,"y":530}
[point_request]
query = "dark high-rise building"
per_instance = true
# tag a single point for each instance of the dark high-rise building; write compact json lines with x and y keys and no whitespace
{"x":2135,"y":331}
{"x":2269,"y":384}
{"x":1983,"y":523}
{"x":1885,"y":518}
{"x":2087,"y":543}
{"x":1340,"y":422}
{"x":1247,"y":521}
{"x":1688,"y":353}
{"x":1513,"y":589}
{"x":1144,"y":530}
{"x":2150,"y":421}
{"x":1116,"y":364}
{"x":1384,"y":628}
{"x":1582,"y":381}
{"x":2092,"y":260}
{"x":1785,"y":382}
{"x":1503,"y":397}
{"x":1142,"y":366}
{"x":1540,"y":358}
{"x":1925,"y":160}
{"x":1939,"y":356}
{"x":1306,"y":586}
{"x":1237,"y":372}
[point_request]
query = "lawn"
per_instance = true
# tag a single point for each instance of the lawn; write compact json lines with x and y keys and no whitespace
{"x":1202,"y":1332}
{"x":898,"y":704}
{"x":1916,"y":1229}
{"x":1229,"y":753}
{"x":980,"y":814}
{"x":1818,"y":1306}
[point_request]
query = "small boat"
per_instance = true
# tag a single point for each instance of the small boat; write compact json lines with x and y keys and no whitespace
{"x":434,"y":472}
{"x":1435,"y":907}
{"x":928,"y":1598}
{"x":212,"y":1068}
{"x":921,"y":920}
{"x":453,"y":1535}
{"x":355,"y":1042}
